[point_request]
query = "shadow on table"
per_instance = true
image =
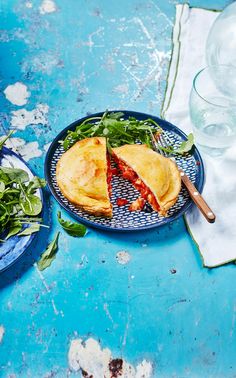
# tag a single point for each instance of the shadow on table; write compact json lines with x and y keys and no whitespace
{"x":31,"y":254}
{"x":171,"y":233}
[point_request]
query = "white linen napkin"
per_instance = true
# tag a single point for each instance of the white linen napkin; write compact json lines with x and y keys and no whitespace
{"x":216,"y":242}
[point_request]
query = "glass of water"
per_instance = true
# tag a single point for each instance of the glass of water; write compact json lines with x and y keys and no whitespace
{"x":213,"y":108}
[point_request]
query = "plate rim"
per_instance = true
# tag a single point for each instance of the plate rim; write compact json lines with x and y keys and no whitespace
{"x":170,"y":126}
{"x":32,"y":236}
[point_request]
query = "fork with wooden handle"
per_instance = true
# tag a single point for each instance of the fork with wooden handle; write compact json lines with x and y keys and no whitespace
{"x":199,"y":201}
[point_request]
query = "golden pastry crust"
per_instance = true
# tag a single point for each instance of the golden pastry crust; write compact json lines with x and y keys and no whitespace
{"x":158,"y":173}
{"x":81,"y":175}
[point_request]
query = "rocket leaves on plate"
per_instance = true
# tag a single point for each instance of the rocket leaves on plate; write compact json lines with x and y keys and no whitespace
{"x":49,"y":255}
{"x":119,"y":131}
{"x":115,"y":128}
{"x":186,"y":146}
{"x":72,"y":228}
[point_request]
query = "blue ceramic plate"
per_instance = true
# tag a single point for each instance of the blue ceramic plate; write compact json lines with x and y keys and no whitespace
{"x":15,"y":246}
{"x":123,"y":219}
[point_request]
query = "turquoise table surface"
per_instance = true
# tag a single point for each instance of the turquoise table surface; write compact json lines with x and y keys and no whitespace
{"x":157,"y":308}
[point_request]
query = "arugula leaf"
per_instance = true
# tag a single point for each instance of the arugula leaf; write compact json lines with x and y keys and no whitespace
{"x":2,"y":141}
{"x":115,"y":128}
{"x":185,"y":146}
{"x":73,"y":229}
{"x":49,"y":255}
{"x":35,"y":227}
{"x":15,"y":227}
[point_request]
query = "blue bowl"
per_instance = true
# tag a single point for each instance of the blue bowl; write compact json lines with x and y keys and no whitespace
{"x":14,"y":247}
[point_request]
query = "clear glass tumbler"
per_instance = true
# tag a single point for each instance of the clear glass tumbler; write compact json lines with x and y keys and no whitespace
{"x":212,"y":110}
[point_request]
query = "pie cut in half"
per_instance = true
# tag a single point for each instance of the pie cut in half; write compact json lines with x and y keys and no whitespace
{"x":156,"y":177}
{"x":83,"y":176}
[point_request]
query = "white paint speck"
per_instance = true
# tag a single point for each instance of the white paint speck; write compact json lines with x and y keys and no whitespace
{"x":47,"y":6}
{"x":2,"y":331}
{"x":122,"y":88}
{"x":17,"y":94}
{"x":28,"y":4}
{"x":55,"y":310}
{"x":22,"y":117}
{"x":123,"y":257}
{"x":92,"y":359}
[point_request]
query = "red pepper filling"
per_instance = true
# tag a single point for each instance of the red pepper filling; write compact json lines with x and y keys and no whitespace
{"x":109,"y":174}
{"x":121,"y":201}
{"x":130,"y":175}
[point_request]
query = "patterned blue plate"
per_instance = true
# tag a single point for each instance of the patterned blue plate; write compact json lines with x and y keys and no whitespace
{"x":123,"y":219}
{"x":15,"y":246}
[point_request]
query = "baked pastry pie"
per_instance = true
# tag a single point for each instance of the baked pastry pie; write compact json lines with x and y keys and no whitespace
{"x":83,"y":175}
{"x":156,"y":177}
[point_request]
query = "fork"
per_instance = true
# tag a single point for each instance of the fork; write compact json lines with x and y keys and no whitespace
{"x":199,"y":201}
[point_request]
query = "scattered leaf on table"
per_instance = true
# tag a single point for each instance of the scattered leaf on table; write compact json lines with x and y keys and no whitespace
{"x":49,"y":255}
{"x":72,"y":228}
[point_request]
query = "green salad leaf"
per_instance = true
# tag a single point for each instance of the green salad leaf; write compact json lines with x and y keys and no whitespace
{"x":19,"y":203}
{"x":35,"y":227}
{"x":186,"y":146}
{"x":73,"y":229}
{"x":15,"y":228}
{"x":49,"y":255}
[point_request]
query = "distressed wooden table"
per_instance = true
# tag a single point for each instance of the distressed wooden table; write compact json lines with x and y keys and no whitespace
{"x":141,"y":299}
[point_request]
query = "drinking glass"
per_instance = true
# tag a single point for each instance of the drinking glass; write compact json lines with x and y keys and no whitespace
{"x":213,"y":110}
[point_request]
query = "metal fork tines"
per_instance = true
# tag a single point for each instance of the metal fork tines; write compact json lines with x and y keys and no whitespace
{"x":159,"y":145}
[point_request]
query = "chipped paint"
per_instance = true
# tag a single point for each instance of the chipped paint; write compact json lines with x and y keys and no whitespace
{"x":89,"y":357}
{"x":123,"y":257}
{"x":28,"y":4}
{"x":92,"y":360}
{"x":47,"y":6}
{"x":22,"y":117}
{"x":122,"y":88}
{"x":44,"y":62}
{"x":26,"y":150}
{"x":2,"y":331}
{"x":17,"y":93}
